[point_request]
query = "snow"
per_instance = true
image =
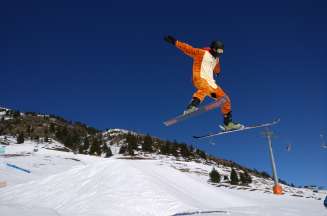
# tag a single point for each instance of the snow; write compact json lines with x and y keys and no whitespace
{"x":63,"y":183}
{"x":11,"y":210}
{"x":2,"y":113}
{"x":117,"y":131}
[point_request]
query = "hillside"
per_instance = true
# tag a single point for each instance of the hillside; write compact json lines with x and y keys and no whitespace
{"x":77,"y":165}
{"x":81,"y":138}
{"x":64,"y":183}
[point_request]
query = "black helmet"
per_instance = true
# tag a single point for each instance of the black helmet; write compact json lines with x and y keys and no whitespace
{"x":217,"y":45}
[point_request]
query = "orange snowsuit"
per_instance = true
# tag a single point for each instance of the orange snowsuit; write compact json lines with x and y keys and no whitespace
{"x":204,"y":68}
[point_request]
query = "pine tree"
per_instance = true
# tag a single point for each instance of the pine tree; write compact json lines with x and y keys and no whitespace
{"x":147,"y":144}
{"x":243,"y":179}
{"x":201,"y":153}
{"x":233,"y":177}
{"x":164,"y":148}
{"x":168,"y":145}
{"x":130,"y":149}
{"x":131,"y":142}
{"x":95,"y":147}
{"x":86,"y":145}
{"x":91,"y":130}
{"x":61,"y":134}
{"x":20,"y":138}
{"x":76,"y":140}
{"x":46,"y":135}
{"x":185,"y":152}
{"x":29,"y":130}
{"x":52,"y":128}
{"x":15,"y":113}
{"x":173,"y":149}
{"x":214,"y":176}
{"x":106,"y":150}
{"x":248,"y":178}
{"x":265,"y":174}
{"x":83,"y":147}
{"x":123,"y":149}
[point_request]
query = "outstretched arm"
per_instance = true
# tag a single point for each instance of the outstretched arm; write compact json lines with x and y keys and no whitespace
{"x":185,"y":48}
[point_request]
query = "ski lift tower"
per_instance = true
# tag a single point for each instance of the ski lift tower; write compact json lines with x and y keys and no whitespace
{"x":277,"y":189}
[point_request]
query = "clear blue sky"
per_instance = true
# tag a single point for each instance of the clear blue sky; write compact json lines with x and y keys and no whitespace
{"x":105,"y":63}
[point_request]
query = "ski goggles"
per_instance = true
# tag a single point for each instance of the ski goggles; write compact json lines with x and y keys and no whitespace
{"x":220,"y":51}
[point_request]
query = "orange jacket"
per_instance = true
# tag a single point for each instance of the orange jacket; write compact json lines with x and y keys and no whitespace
{"x":204,"y":64}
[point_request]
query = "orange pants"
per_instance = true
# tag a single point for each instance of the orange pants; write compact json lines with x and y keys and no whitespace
{"x":204,"y":89}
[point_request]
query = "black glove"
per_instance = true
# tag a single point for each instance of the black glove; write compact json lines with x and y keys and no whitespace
{"x":170,"y":39}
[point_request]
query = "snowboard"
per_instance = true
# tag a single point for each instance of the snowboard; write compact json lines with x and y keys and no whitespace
{"x":212,"y":134}
{"x":200,"y":110}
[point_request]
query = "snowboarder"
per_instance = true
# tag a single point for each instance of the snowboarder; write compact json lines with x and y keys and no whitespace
{"x":206,"y":65}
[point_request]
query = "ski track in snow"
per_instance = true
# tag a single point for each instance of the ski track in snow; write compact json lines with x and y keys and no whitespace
{"x":65,"y":184}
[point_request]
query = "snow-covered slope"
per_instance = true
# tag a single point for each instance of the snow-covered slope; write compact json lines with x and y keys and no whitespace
{"x":63,"y":183}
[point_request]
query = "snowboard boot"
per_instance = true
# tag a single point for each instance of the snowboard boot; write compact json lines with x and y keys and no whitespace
{"x":193,"y":106}
{"x":229,"y":124}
